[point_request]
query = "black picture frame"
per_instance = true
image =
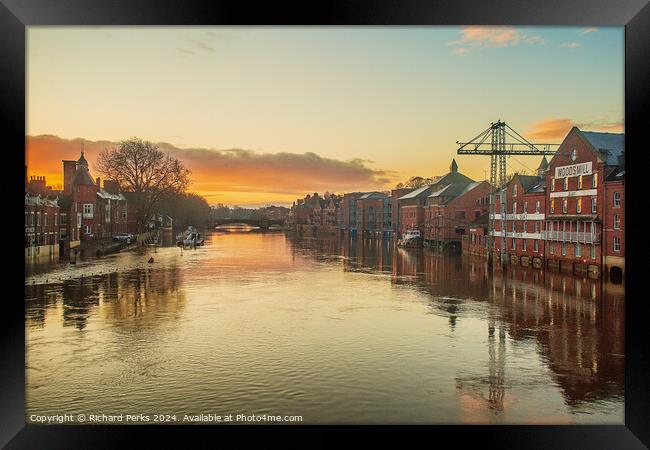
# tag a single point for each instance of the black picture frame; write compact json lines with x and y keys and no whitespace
{"x":16,"y":15}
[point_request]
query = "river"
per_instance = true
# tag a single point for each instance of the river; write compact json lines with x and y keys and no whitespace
{"x":333,"y":330}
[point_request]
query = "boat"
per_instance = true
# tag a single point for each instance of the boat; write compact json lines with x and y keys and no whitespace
{"x":190,"y":238}
{"x":410,"y":238}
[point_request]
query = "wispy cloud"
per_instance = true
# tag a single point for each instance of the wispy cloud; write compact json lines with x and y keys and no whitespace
{"x":557,"y":128}
{"x":571,"y":45}
{"x":587,"y":30}
{"x":473,"y":37}
{"x":230,"y":172}
{"x":460,"y":51}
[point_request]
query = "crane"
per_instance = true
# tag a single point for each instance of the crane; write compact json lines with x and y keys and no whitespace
{"x":494,"y":142}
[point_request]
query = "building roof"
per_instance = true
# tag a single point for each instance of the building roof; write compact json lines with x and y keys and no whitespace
{"x":107,"y":195}
{"x":453,"y":178}
{"x":40,"y":200}
{"x":609,"y":145}
{"x":82,"y":176}
{"x":543,"y":165}
{"x":528,"y":181}
{"x":82,"y":161}
{"x":373,"y":195}
{"x":416,"y":193}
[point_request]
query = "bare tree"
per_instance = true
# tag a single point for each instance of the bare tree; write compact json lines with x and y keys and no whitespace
{"x":142,"y":168}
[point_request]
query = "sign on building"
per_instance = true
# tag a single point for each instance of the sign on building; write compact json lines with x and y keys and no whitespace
{"x":573,"y":170}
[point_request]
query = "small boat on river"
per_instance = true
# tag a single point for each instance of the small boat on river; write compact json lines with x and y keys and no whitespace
{"x":410,"y":239}
{"x":190,"y":238}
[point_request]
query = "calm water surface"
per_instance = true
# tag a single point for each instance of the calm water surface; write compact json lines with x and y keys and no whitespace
{"x":337,"y":331}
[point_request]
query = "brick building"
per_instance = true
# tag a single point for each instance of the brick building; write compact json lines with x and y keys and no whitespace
{"x":577,"y":210}
{"x":520,"y":212}
{"x":41,"y":225}
{"x":614,"y":223}
{"x":450,"y":211}
{"x":373,"y":215}
{"x":413,"y":204}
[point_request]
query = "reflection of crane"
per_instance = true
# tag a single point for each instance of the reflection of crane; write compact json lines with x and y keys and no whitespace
{"x":498,"y":148}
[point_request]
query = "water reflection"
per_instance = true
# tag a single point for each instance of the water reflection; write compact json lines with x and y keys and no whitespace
{"x":576,"y":323}
{"x":338,"y":330}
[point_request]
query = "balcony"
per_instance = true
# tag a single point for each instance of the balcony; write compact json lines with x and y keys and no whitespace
{"x":571,"y":236}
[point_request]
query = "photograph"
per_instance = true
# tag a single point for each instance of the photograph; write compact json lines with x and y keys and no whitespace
{"x":236,"y":225}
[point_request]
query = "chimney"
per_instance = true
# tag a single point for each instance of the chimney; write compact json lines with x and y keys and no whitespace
{"x":69,"y":169}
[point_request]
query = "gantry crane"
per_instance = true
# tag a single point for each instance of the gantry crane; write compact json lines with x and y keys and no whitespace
{"x":498,"y":147}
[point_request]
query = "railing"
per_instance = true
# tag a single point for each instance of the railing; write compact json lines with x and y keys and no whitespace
{"x":571,"y":236}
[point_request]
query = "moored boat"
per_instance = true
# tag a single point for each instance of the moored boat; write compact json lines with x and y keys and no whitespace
{"x":411,"y":238}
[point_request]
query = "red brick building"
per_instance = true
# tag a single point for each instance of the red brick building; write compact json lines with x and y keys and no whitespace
{"x":475,"y":242}
{"x":41,"y":224}
{"x":577,"y":208}
{"x":451,"y":210}
{"x":614,"y":223}
{"x":520,"y":212}
{"x":412,"y":205}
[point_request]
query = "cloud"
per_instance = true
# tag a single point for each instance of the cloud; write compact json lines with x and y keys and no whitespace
{"x":557,"y":128}
{"x":227,"y":173}
{"x":571,"y":45}
{"x":480,"y":36}
{"x":587,"y":30}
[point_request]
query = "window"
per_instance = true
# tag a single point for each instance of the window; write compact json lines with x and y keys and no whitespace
{"x":593,"y":251}
{"x":580,"y":182}
{"x":514,"y":227}
{"x":593,"y":205}
{"x":578,"y":250}
{"x":32,"y":220}
{"x":514,"y":244}
{"x":525,"y":228}
{"x":523,"y":244}
{"x":38,"y":219}
{"x":537,"y":226}
{"x":617,"y":244}
{"x":563,"y":248}
{"x":514,"y":208}
{"x":88,"y":210}
{"x":594,"y":180}
{"x":550,"y":247}
{"x":514,"y":190}
{"x":62,"y":219}
{"x":552,"y":206}
{"x":537,"y":206}
{"x":78,"y":220}
{"x":536,"y":246}
{"x":579,"y":206}
{"x":44,"y":219}
{"x":87,"y":229}
{"x":525,"y":207}
{"x":617,"y":222}
{"x":617,"y":199}
{"x":56,"y":219}
{"x":552,"y":184}
{"x":26,"y":219}
{"x":565,"y":205}
{"x":566,"y":184}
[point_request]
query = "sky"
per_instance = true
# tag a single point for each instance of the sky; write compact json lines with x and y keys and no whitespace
{"x":264,"y":115}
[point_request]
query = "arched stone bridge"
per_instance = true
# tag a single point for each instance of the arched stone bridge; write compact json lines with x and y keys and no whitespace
{"x":262,"y":223}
